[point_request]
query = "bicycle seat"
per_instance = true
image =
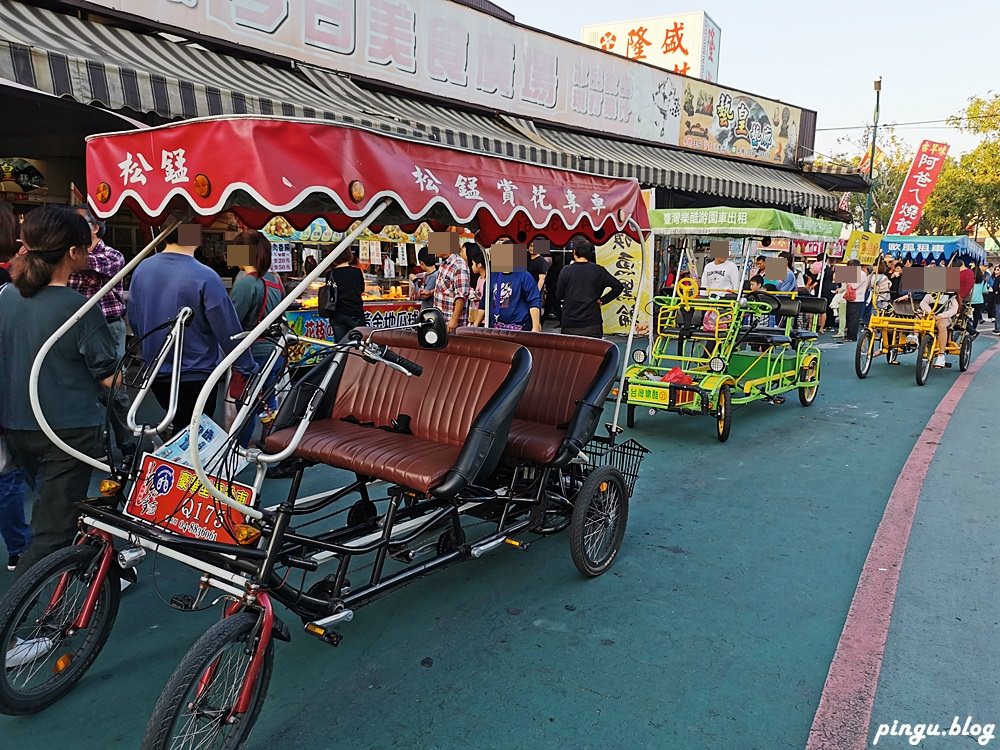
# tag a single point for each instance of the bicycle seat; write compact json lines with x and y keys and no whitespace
{"x":571,"y":377}
{"x":459,"y":413}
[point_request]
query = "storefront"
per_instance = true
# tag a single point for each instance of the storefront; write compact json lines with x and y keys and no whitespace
{"x":698,"y":144}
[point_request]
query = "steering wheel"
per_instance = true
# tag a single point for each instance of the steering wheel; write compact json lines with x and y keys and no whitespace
{"x":768,"y":299}
{"x":687,"y":289}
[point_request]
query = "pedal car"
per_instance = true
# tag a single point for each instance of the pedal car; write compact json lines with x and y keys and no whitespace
{"x":905,"y":328}
{"x":442,"y":433}
{"x":711,"y":354}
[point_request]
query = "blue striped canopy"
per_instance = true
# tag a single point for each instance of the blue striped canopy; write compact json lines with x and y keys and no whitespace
{"x":933,"y":248}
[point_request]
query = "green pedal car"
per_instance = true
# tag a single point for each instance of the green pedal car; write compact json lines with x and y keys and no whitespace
{"x":713,"y":353}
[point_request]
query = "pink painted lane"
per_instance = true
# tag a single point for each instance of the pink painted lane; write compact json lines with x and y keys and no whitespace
{"x":844,"y":715}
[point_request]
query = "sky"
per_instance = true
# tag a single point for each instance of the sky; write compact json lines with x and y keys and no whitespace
{"x":823,"y":55}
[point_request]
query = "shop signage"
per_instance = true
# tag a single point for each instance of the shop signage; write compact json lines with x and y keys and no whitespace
{"x":808,"y":248}
{"x":917,"y":187}
{"x":451,"y":51}
{"x":22,"y":176}
{"x":281,"y":257}
{"x":625,"y":260}
{"x":742,"y":221}
{"x":685,"y":43}
{"x":623,"y":257}
{"x":378,"y":314}
{"x":865,"y":165}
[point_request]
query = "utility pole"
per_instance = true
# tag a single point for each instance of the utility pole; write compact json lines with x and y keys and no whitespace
{"x":871,"y":159}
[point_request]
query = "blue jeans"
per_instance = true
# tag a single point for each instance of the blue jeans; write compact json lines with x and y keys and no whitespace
{"x":124,"y":437}
{"x":996,"y":317}
{"x":272,"y":401}
{"x":14,"y":528}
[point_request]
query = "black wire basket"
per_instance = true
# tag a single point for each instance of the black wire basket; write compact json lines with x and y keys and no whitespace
{"x":626,"y":457}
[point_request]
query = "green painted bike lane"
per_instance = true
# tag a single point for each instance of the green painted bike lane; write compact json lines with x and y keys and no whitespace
{"x":715,"y":628}
{"x":941,"y":659}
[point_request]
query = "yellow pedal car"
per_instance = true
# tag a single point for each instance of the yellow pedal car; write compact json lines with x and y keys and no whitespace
{"x":905,"y":328}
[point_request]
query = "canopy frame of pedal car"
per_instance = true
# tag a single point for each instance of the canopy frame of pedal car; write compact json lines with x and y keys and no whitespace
{"x":256,"y":167}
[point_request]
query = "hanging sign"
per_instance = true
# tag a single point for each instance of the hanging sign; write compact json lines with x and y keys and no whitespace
{"x":281,"y":257}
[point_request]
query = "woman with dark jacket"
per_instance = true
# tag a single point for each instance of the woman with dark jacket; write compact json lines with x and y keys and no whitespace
{"x":350,"y":311}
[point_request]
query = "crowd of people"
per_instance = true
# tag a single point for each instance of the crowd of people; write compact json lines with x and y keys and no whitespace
{"x":57,"y":259}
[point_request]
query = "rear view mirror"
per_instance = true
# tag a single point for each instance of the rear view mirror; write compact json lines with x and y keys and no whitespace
{"x":432,"y":331}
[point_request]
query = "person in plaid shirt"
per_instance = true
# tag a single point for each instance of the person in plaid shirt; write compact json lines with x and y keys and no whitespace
{"x":103,"y":262}
{"x":451,"y":292}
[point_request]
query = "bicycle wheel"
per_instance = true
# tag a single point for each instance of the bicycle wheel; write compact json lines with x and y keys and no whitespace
{"x":724,"y":417}
{"x":44,"y":656}
{"x":925,"y":353}
{"x":863,"y":354}
{"x":191,"y":711}
{"x":807,"y":394}
{"x":965,"y":353}
{"x":600,"y":514}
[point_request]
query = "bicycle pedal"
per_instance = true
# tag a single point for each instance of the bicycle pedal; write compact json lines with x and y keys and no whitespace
{"x":183,"y":602}
{"x":517,"y":544}
{"x":325,"y":634}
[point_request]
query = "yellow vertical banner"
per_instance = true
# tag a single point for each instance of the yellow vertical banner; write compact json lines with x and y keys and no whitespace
{"x":625,"y":259}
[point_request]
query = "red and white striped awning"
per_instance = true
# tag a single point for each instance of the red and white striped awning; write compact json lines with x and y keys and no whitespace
{"x":258,"y":167}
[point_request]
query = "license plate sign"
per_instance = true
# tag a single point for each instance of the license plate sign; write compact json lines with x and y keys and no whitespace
{"x":169,"y":495}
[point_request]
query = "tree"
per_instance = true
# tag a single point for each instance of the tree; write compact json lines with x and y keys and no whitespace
{"x":968,"y":191}
{"x":889,"y":174}
{"x":953,"y":205}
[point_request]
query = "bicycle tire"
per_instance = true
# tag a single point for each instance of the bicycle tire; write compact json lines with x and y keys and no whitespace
{"x":13,"y":610}
{"x":231,"y":630}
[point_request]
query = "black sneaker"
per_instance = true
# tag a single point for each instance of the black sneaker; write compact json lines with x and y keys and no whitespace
{"x":12,"y":561}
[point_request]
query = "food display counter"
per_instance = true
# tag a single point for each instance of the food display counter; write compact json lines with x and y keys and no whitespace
{"x":384,"y":308}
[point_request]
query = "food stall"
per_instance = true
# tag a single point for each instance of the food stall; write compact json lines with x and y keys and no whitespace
{"x":384,"y":258}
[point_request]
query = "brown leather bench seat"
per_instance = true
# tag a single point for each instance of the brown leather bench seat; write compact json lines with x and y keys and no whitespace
{"x":459,"y":413}
{"x":571,"y":377}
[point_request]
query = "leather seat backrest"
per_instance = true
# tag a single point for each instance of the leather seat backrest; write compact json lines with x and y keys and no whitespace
{"x":563,"y":371}
{"x":812,"y":305}
{"x":789,"y":307}
{"x":443,"y":402}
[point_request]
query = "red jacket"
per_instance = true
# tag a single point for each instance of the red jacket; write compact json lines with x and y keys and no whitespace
{"x":966,"y":280}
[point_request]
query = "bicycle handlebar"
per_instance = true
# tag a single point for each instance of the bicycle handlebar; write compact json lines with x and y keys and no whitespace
{"x":375,"y":352}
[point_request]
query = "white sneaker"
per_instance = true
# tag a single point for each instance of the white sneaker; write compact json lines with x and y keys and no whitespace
{"x":24,"y":652}
{"x":939,"y":361}
{"x":912,"y":339}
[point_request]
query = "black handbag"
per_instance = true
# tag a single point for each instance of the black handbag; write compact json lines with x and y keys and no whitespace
{"x":326,"y":305}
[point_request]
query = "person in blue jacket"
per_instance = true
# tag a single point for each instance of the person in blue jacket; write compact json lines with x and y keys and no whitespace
{"x":161,"y":286}
{"x":790,"y":284}
{"x":515,"y":301}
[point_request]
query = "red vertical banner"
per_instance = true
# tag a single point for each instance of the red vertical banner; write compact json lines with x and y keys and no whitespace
{"x":917,"y":187}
